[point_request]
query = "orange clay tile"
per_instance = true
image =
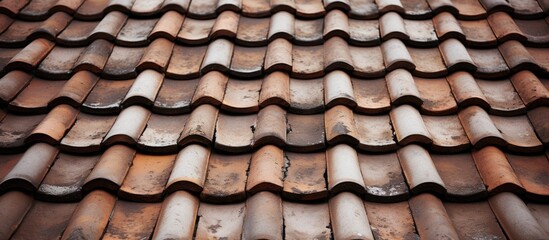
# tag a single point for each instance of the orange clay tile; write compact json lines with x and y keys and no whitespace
{"x":147,"y":178}
{"x":156,"y":55}
{"x":478,"y":33}
{"x":13,"y":7}
{"x":383,"y":177}
{"x":456,"y":56}
{"x":391,"y":25}
{"x":395,"y":55}
{"x":91,"y":216}
{"x":53,"y":25}
{"x":266,"y":170}
{"x":474,"y":220}
{"x":305,"y":132}
{"x":204,"y":9}
{"x":541,"y":57}
{"x":496,"y":172}
{"x":517,"y":56}
{"x":13,"y":208}
{"x":7,"y":162}
{"x":94,"y":57}
{"x":263,"y":219}
{"x":225,"y":25}
{"x":436,"y":95}
{"x":54,"y":126}
{"x":336,"y":55}
{"x":39,"y":223}
{"x":111,"y":169}
{"x":60,"y":62}
{"x":428,"y":62}
{"x":336,"y":24}
{"x":283,"y":5}
{"x":535,"y":30}
{"x":479,"y":128}
{"x":132,"y":220}
{"x":538,"y":119}
{"x":338,"y":89}
{"x":256,"y":8}
{"x":12,"y":83}
{"x":348,"y":217}
{"x":402,"y":88}
{"x":122,"y":62}
{"x":278,"y":56}
{"x":271,"y":127}
{"x":337,"y":4}
{"x":340,"y":126}
{"x":470,"y":9}
{"x":235,"y":133}
{"x":19,"y":31}
{"x":31,"y":168}
{"x":128,"y":126}
{"x":518,"y":133}
{"x":421,"y":32}
{"x":371,"y":96}
{"x":304,"y":179}
{"x":185,"y":62}
{"x":307,"y":61}
{"x":247,"y":61}
{"x":218,"y":56}
{"x":121,"y":5}
{"x":210,"y":89}
{"x":531,"y":172}
{"x":7,"y":54}
{"x":389,"y":5}
{"x":308,"y":31}
{"x":144,"y":89}
{"x":16,"y":129}
{"x":36,"y":10}
{"x":252,"y":31}
{"x":282,"y":26}
{"x":194,"y":31}
{"x":65,"y":178}
{"x":167,"y":26}
{"x":374,"y":133}
{"x":135,"y":32}
{"x":189,"y":169}
{"x":460,"y":175}
{"x":431,"y":219}
{"x":109,"y":26}
{"x":178,"y":209}
{"x":447,"y":26}
{"x":447,"y":133}
{"x":391,"y":220}
{"x":36,"y":96}
{"x":420,"y":171}
{"x":29,"y":57}
{"x":489,"y":62}
{"x":309,"y":9}
{"x":218,"y":221}
{"x":106,"y":96}
{"x":364,"y":31}
{"x":530,"y":89}
{"x":504,"y":27}
{"x":515,"y":218}
{"x":409,"y":126}
{"x":275,"y":89}
{"x":200,"y":126}
{"x":306,"y":220}
{"x":175,"y":96}
{"x":226,"y":178}
{"x":466,"y":91}
{"x":144,"y":7}
{"x":76,"y":89}
{"x":306,"y":96}
{"x":162,"y":133}
{"x":540,"y":212}
{"x":343,"y":170}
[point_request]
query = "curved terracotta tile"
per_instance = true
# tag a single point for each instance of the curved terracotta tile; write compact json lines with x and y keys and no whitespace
{"x":540,"y":212}
{"x":15,"y":130}
{"x":29,"y":171}
{"x":271,"y":127}
{"x":6,"y":55}
{"x":348,"y":217}
{"x":530,"y":89}
{"x":436,"y":95}
{"x":496,"y":5}
{"x":428,"y":62}
{"x":526,"y":7}
{"x":306,"y":96}
{"x":220,"y":221}
{"x":515,"y":218}
{"x":162,"y":133}
{"x":132,"y":220}
{"x":336,"y":23}
{"x":282,"y":26}
{"x":94,"y":57}
{"x":226,"y":178}
{"x":367,"y":61}
{"x":480,"y":129}
{"x":218,"y":56}
{"x":304,"y":176}
{"x":12,"y":7}
{"x":538,"y":119}
{"x":343,"y":170}
{"x":122,"y":62}
{"x":517,"y":57}
{"x":266,"y":170}
{"x":156,"y":56}
{"x":12,"y":83}
{"x":7,"y":162}
{"x":185,"y":62}
{"x":470,"y":9}
{"x":168,"y":25}
{"x":195,"y":31}
{"x":541,"y":57}
{"x":247,"y":62}
{"x":39,"y":223}
{"x":466,"y":91}
{"x":531,"y":172}
{"x":179,"y":209}
{"x":309,"y":9}
{"x":396,"y":55}
{"x":338,"y":90}
{"x":447,"y":132}
{"x":409,"y":126}
{"x":305,"y":132}
{"x":363,"y":9}
{"x":385,"y":6}
{"x":52,"y":26}
{"x":253,"y":32}
{"x":283,"y":5}
{"x":504,"y":27}
{"x":135,"y":32}
{"x":459,"y":173}
{"x":340,"y":126}
{"x":420,"y":171}
{"x":128,"y":126}
{"x":421,"y":32}
{"x":29,"y":57}
{"x":91,"y":9}
{"x":496,"y":172}
{"x":76,"y":89}
{"x":278,"y":56}
{"x":226,"y":25}
{"x":77,"y":33}
{"x":59,"y":62}
{"x":371,"y":96}
{"x":364,"y":32}
{"x":489,"y":62}
{"x":13,"y":207}
{"x":432,"y":220}
{"x":65,"y":178}
{"x":200,"y":126}
{"x":145,"y":8}
{"x":144,"y":89}
{"x":109,"y":26}
{"x":54,"y":126}
{"x":383,"y":177}
{"x":275,"y":90}
{"x":478,"y":33}
{"x":235,"y":133}
{"x":391,"y":25}
{"x":402,"y":88}
{"x":36,"y":96}
{"x":111,"y":169}
{"x":307,"y":61}
{"x":90,"y":218}
{"x":106,"y":96}
{"x":263,"y":219}
{"x":308,"y":31}
{"x":374,"y":133}
{"x":256,"y":8}
{"x":518,"y":133}
{"x":147,"y":177}
{"x":174,"y":96}
{"x":474,"y":220}
{"x":189,"y":170}
{"x":19,"y":31}
{"x":535,"y":30}
{"x":306,"y":220}
{"x":456,"y":56}
{"x":336,"y":55}
{"x":391,"y":220}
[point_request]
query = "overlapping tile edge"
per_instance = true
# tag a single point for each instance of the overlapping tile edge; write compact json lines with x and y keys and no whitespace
{"x":345,"y":178}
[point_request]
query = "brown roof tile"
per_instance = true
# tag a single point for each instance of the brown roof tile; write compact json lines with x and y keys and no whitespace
{"x":111,"y":169}
{"x":173,"y":214}
{"x":132,"y":220}
{"x":306,"y":220}
{"x":162,"y":133}
{"x":431,"y":218}
{"x":496,"y":172}
{"x":383,"y":177}
{"x":348,"y":217}
{"x":266,"y":170}
{"x":96,"y":206}
{"x":343,"y":170}
{"x":391,"y":220}
{"x":14,"y":206}
{"x":420,"y":170}
{"x":226,"y":178}
{"x":87,"y":133}
{"x":304,"y":178}
{"x":106,"y":97}
{"x":189,"y":169}
{"x":220,"y":221}
{"x":263,"y":218}
{"x":39,"y":223}
{"x":474,"y":220}
{"x":270,"y":127}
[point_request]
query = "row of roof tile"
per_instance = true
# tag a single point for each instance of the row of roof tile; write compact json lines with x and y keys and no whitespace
{"x":222,"y":178}
{"x":266,"y":216}
{"x":80,"y":132}
{"x":365,"y":9}
{"x":117,"y":27}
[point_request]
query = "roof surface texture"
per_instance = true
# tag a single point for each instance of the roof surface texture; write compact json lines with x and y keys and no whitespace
{"x":281,"y":119}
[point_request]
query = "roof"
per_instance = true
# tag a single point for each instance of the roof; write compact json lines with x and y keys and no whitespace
{"x":281,"y":119}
